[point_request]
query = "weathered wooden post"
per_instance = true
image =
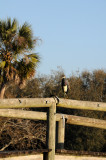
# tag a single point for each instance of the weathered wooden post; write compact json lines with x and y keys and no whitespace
{"x":61,"y":133}
{"x":51,"y":127}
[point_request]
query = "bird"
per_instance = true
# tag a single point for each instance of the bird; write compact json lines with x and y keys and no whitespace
{"x":64,"y":85}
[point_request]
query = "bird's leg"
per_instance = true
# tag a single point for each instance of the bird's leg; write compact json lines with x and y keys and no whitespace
{"x":64,"y":95}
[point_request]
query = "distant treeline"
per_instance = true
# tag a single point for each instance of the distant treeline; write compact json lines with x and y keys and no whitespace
{"x":26,"y":134}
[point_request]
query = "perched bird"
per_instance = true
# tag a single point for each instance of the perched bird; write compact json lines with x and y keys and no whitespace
{"x":65,"y":85}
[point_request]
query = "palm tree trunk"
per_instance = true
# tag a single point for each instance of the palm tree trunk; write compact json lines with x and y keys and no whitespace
{"x":2,"y":91}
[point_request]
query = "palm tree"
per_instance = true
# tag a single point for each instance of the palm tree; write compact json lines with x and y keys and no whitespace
{"x":17,"y":62}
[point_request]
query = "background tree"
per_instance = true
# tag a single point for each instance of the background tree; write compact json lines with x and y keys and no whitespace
{"x":17,"y":61}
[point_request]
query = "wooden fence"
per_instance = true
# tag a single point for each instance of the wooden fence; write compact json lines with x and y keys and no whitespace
{"x":8,"y":109}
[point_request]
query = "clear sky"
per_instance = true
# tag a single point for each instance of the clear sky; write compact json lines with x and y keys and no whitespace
{"x":73,"y":32}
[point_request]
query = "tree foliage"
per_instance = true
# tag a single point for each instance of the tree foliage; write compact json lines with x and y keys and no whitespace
{"x":17,"y":60}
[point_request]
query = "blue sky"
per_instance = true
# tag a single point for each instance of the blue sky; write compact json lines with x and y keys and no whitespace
{"x":73,"y":32}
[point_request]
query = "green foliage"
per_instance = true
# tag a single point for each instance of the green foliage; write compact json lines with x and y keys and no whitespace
{"x":17,"y":62}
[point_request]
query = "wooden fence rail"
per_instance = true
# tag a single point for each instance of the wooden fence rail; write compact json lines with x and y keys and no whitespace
{"x":26,"y":102}
{"x":47,"y":102}
{"x":70,"y":119}
{"x":85,"y":105}
{"x":7,"y":109}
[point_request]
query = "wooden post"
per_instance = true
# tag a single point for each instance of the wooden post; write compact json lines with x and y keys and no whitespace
{"x":61,"y":133}
{"x":51,"y":127}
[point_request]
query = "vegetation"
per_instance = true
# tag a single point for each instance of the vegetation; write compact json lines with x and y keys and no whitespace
{"x":17,"y":61}
{"x":90,"y":86}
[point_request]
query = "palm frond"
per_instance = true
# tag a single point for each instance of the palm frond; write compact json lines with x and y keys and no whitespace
{"x":26,"y":32}
{"x":14,"y":25}
{"x":2,"y":64}
{"x":34,"y":57}
{"x":7,"y":31}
